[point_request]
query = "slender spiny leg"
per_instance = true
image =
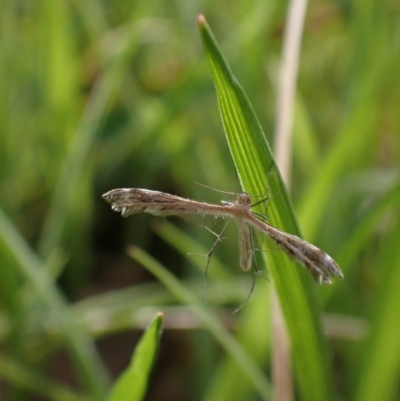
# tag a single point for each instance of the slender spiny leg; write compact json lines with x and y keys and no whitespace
{"x":266,"y":200}
{"x":209,"y":254}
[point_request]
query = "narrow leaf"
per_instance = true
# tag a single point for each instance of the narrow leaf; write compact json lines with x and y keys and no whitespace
{"x":132,"y":384}
{"x":255,"y":165}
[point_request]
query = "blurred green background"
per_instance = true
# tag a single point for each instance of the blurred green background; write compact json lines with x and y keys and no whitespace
{"x":97,"y":95}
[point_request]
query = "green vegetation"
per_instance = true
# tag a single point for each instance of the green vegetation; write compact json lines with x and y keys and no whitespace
{"x":99,"y":95}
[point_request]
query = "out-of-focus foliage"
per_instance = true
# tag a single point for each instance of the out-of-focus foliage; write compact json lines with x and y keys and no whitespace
{"x":96,"y":95}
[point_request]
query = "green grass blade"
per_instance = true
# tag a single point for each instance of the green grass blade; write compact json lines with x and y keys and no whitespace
{"x":133,"y":383}
{"x":254,"y":163}
{"x":77,"y":155}
{"x":227,"y":341}
{"x":379,"y":374}
{"x":253,"y":333}
{"x":357,"y":241}
{"x":24,"y":378}
{"x":14,"y":249}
